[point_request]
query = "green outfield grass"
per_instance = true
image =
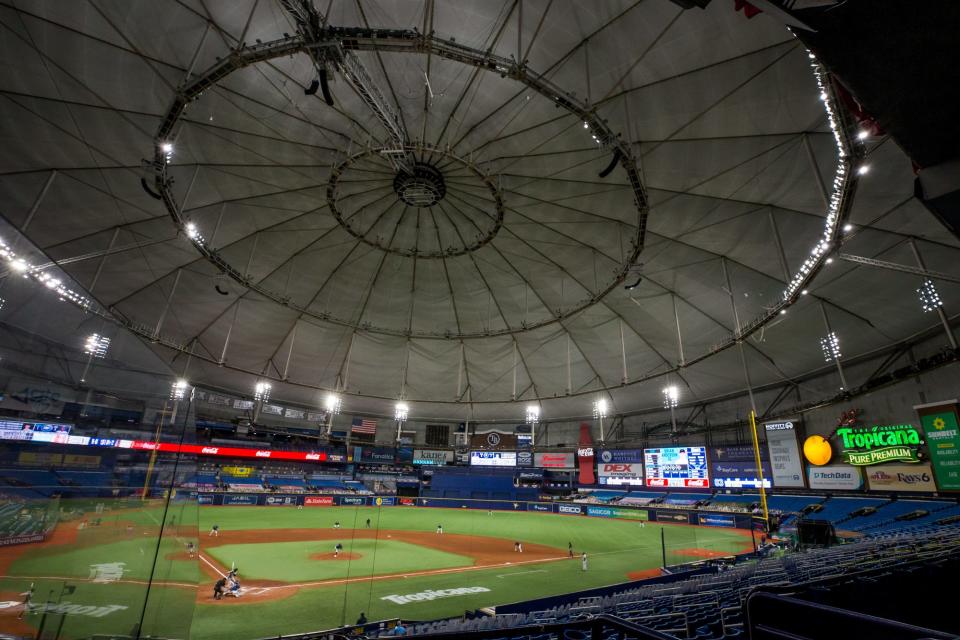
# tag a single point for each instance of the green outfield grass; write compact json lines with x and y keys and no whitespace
{"x":614,"y":547}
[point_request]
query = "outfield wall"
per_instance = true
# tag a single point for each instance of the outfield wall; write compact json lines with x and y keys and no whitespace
{"x":699,"y":518}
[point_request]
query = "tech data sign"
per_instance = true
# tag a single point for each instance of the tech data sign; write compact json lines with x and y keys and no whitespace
{"x":865,"y":446}
{"x":837,"y":476}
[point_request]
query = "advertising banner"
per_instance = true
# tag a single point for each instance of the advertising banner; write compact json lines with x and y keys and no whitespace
{"x":901,"y":477}
{"x":375,"y":454}
{"x":540,"y":506}
{"x":569,"y":508}
{"x":204,"y":498}
{"x":281,"y":501}
{"x":384,"y":501}
{"x":620,"y":473}
{"x":243,"y":499}
{"x":835,"y":476}
{"x":79,"y":460}
{"x":630,"y":456}
{"x":586,"y":456}
{"x":617,"y":512}
{"x":238,"y":472}
{"x":714,"y":520}
{"x":664,"y":515}
{"x":493,"y":458}
{"x":319,"y":501}
{"x":22,"y":539}
{"x":942,"y":431}
{"x":554,"y":460}
{"x":784,"y":452}
{"x":431,"y":456}
{"x":865,"y":446}
{"x":408,"y":502}
{"x":735,"y":467}
{"x":34,"y":459}
{"x":524,"y":459}
{"x":353,"y":501}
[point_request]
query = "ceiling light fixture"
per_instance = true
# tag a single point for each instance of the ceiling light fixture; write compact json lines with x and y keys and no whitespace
{"x":178,"y":390}
{"x":533,"y":414}
{"x":929,"y":297}
{"x":333,"y":403}
{"x":671,"y":396}
{"x":400,"y":412}
{"x":600,"y":408}
{"x":261,"y":392}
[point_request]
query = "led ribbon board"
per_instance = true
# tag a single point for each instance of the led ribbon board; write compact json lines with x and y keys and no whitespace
{"x":864,"y":446}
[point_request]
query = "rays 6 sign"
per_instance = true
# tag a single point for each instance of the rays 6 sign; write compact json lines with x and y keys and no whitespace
{"x":620,"y":473}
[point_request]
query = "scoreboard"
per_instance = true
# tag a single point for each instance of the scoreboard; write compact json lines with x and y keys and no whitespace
{"x":676,"y":467}
{"x":493,"y":458}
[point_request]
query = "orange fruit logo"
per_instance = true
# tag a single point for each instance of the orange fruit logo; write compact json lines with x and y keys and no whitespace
{"x":817,"y":450}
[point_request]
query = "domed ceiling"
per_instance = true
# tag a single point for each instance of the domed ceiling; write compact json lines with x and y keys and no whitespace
{"x":506,"y":202}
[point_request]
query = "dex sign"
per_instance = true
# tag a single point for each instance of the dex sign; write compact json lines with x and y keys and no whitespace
{"x":864,"y":446}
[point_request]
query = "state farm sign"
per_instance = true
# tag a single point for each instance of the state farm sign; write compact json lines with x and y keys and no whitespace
{"x":615,"y":473}
{"x":318,"y":501}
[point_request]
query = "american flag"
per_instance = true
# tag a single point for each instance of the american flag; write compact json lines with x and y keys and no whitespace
{"x":364,"y":425}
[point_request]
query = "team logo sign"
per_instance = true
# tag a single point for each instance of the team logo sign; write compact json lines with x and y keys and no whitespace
{"x":606,"y":456}
{"x":493,"y":439}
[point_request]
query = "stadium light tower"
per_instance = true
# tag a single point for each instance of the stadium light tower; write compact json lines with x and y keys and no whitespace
{"x":178,"y":390}
{"x":400,"y":413}
{"x":261,"y":392}
{"x":599,"y":413}
{"x":532,"y":419}
{"x":333,"y":403}
{"x":671,"y":395}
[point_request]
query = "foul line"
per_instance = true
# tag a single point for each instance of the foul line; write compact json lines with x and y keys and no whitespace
{"x":520,"y":573}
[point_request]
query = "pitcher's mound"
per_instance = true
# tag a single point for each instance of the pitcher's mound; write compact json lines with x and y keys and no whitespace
{"x":329,"y":556}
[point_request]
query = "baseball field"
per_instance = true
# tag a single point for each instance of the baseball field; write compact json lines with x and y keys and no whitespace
{"x":293,"y":579}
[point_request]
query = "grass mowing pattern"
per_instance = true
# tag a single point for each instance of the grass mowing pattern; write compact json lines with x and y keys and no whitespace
{"x":292,"y":560}
{"x":614,"y":547}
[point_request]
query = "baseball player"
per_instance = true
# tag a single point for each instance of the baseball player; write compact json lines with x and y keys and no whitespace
{"x":190,"y":549}
{"x":218,"y":588}
{"x":214,"y":531}
{"x":439,"y":528}
{"x":337,"y":549}
{"x":27,"y":602}
{"x":336,"y":525}
{"x":518,"y":546}
{"x":368,"y":523}
{"x":232,"y":575}
{"x":570,"y":548}
{"x":583,"y":561}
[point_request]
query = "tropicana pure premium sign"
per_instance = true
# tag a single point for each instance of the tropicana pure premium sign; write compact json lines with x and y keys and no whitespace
{"x":863,"y":446}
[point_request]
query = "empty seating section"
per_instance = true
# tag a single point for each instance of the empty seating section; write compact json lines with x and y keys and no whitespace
{"x":838,"y":509}
{"x":685,"y":499}
{"x":887,"y":513}
{"x":710,"y":606}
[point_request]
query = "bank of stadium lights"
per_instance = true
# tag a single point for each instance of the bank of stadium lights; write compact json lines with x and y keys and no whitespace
{"x":671,"y":395}
{"x":600,"y":408}
{"x":96,"y":345}
{"x":533,"y":414}
{"x":839,"y":187}
{"x":167,"y":149}
{"x":333,"y":404}
{"x":261,"y":393}
{"x":178,"y":390}
{"x":193,"y":233}
{"x":400,"y":412}
{"x":929,"y":298}
{"x":16,"y":264}
{"x":830,"y":345}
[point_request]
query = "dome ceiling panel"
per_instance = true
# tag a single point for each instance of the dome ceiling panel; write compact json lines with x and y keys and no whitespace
{"x":506,"y":242}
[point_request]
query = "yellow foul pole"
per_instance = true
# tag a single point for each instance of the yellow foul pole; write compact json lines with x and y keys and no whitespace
{"x":756,"y":458}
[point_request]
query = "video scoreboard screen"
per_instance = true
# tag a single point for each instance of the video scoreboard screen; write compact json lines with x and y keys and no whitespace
{"x":676,"y":467}
{"x":493,"y":458}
